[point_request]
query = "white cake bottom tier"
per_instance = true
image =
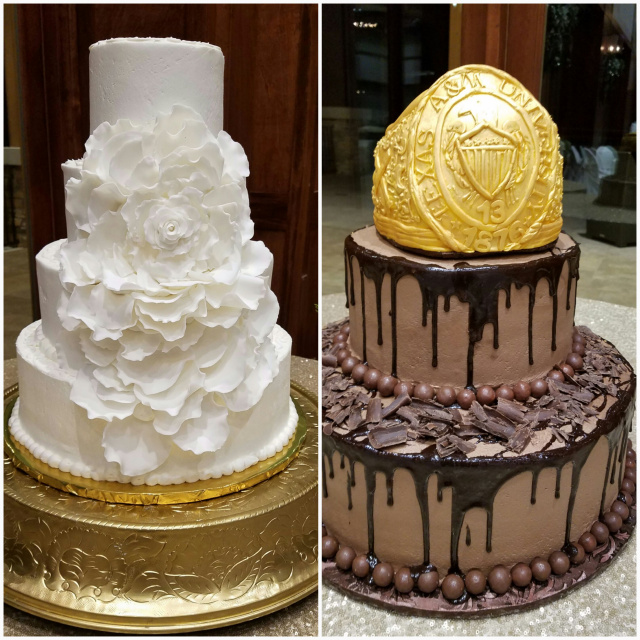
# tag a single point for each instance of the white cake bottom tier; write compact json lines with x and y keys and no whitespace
{"x":58,"y":432}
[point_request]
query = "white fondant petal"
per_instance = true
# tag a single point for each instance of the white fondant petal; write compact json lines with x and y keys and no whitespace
{"x":205,"y":434}
{"x":135,"y":445}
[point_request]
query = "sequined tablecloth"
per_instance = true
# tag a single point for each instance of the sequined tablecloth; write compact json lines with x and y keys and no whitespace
{"x":299,"y":619}
{"x":605,"y":606}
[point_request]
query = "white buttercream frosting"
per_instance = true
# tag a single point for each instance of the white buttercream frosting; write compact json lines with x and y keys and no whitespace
{"x":60,"y":433}
{"x":138,"y":78}
{"x":167,"y":307}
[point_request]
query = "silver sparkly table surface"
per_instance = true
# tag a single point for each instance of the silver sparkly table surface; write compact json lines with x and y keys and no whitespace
{"x":606,"y":606}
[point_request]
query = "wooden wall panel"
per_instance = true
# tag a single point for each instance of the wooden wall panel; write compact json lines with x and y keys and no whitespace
{"x":271,"y":79}
{"x":506,"y":36}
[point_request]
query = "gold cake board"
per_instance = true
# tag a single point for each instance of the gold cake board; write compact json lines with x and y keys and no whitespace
{"x":161,"y":566}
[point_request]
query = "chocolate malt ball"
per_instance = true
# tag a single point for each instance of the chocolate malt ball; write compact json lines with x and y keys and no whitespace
{"x":500,"y":579}
{"x":578,"y":338}
{"x":600,"y":532}
{"x":403,"y":580}
{"x":428,"y":582}
{"x":621,"y":509}
{"x":383,"y":574}
{"x":630,"y":474}
{"x":539,"y":387}
{"x":567,"y":369}
{"x":339,"y":346}
{"x":329,"y":547}
{"x":403,"y":387}
{"x":521,"y":574}
{"x":578,"y":348}
{"x":522,"y":390}
{"x":446,"y":396}
{"x":475,"y":582}
{"x":540,"y":569}
{"x":360,"y":566}
{"x":348,"y":364}
{"x":588,"y":542}
{"x":486,"y":394}
{"x":559,"y":562}
{"x":628,"y":485}
{"x":358,"y":372}
{"x":628,"y":498}
{"x":346,"y":330}
{"x":341,"y":355}
{"x":339,"y":337}
{"x":424,"y":392}
{"x":386,"y":385}
{"x":345,"y":558}
{"x":555,"y":375}
{"x":452,"y":587}
{"x":505,"y":391}
{"x":575,"y":360}
{"x":576,"y":552}
{"x":465,"y":398}
{"x":613,"y":521}
{"x":371,"y":379}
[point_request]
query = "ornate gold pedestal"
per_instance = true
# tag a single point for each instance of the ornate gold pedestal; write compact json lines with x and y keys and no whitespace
{"x":162,"y":568}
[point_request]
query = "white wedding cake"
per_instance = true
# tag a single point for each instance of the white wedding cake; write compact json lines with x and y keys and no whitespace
{"x":158,"y":359}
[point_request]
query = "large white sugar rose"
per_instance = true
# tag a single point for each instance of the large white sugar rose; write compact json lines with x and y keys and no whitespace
{"x":167,"y":306}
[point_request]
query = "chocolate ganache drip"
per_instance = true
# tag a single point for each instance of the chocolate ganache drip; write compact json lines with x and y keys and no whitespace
{"x":476,"y":481}
{"x":477,"y":285}
{"x":471,"y":485}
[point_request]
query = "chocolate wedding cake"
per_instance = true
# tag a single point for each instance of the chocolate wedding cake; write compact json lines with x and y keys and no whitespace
{"x":475,"y":447}
{"x":158,"y":359}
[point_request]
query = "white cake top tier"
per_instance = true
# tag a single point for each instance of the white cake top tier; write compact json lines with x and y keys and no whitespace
{"x":138,"y":78}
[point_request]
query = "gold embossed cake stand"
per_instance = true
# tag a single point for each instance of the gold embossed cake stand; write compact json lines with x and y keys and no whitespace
{"x":172,"y":561}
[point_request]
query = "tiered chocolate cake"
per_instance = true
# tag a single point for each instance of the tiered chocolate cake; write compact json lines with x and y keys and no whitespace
{"x":475,"y":449}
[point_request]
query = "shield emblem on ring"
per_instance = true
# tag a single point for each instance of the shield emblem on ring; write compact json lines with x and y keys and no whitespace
{"x":487,"y":163}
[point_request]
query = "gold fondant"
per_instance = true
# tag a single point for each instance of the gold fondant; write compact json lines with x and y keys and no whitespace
{"x":471,"y":166}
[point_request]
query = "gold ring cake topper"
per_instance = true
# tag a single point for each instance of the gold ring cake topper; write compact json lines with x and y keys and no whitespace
{"x":471,"y":166}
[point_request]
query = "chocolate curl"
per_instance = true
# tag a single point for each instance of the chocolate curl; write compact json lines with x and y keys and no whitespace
{"x":520,"y":439}
{"x":409,"y":415}
{"x":382,"y":437}
{"x":374,"y":411}
{"x":464,"y":445}
{"x":515,"y":412}
{"x":400,"y":401}
{"x":478,"y":411}
{"x":431,"y":412}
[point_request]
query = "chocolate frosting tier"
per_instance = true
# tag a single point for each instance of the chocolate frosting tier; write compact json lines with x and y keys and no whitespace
{"x":485,"y":321}
{"x":416,"y":484}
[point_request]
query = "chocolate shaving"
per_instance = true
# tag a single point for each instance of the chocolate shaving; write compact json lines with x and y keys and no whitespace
{"x":496,"y":428}
{"x":443,"y":447}
{"x":464,"y":445}
{"x":511,"y":410}
{"x":409,"y":415}
{"x":493,"y":414}
{"x":478,"y":411}
{"x":354,"y":420}
{"x":374,"y":411}
{"x":519,"y":440}
{"x":388,"y":436}
{"x":560,"y":435}
{"x":400,"y":401}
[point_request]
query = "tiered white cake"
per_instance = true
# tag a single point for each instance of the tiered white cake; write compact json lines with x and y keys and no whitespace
{"x":157,"y":359}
